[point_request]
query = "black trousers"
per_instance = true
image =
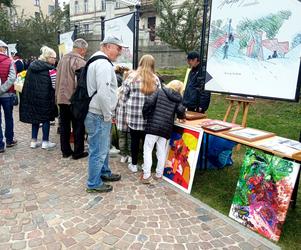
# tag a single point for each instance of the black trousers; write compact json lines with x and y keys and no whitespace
{"x":136,"y":137}
{"x":66,"y":119}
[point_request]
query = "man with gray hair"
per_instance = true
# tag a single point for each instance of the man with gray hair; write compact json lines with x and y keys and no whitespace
{"x":7,"y":79}
{"x":102,"y":87}
{"x":65,"y":86}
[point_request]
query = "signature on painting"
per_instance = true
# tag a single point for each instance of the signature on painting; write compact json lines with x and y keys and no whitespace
{"x":239,"y":2}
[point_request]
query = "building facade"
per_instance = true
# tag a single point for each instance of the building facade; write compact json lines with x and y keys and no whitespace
{"x":31,"y":8}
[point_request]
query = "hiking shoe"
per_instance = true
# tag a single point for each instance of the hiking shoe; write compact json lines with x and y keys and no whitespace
{"x":11,"y":144}
{"x":2,"y":150}
{"x":104,"y":188}
{"x":48,"y":145}
{"x":133,"y":168}
{"x":112,"y":177}
{"x":35,"y":144}
{"x":145,"y":181}
{"x":79,"y":156}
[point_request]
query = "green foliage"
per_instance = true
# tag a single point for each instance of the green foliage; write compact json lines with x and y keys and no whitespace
{"x":249,"y":29}
{"x":181,"y":27}
{"x":34,"y":32}
{"x":7,"y":3}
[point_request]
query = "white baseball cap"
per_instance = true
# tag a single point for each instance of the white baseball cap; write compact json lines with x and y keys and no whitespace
{"x":113,"y":40}
{"x":3,"y":44}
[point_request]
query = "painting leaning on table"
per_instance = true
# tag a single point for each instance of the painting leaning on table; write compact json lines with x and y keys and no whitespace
{"x":263,"y":192}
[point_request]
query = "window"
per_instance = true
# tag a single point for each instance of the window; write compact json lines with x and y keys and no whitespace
{"x":50,"y":9}
{"x":151,"y":24}
{"x":36,"y":2}
{"x":86,"y":6}
{"x":76,"y":7}
{"x":86,"y":28}
{"x":118,"y":4}
{"x":103,"y":5}
{"x":37,"y":14}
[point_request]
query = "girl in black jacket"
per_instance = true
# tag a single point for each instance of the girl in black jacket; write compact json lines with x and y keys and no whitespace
{"x":159,"y":110}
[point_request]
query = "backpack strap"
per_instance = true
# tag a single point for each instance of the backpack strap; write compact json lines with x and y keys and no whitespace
{"x":94,"y":58}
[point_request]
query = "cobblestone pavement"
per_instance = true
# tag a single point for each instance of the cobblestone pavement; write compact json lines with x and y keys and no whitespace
{"x":43,"y":205}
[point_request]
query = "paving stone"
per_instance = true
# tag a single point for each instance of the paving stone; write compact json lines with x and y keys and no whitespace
{"x":4,"y":237}
{"x":110,"y":239}
{"x":18,"y":236}
{"x":18,"y":245}
{"x":35,"y":242}
{"x":205,"y":245}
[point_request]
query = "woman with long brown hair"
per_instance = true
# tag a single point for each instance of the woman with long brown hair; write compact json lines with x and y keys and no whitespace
{"x":137,"y":86}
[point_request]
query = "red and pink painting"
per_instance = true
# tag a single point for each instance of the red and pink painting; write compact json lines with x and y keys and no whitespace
{"x":263,"y":192}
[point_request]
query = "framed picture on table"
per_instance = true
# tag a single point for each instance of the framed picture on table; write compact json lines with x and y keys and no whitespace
{"x":249,"y":134}
{"x":215,"y":127}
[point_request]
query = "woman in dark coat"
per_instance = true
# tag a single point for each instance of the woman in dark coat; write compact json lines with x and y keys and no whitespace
{"x":37,"y":101}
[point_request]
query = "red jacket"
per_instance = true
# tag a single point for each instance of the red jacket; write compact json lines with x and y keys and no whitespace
{"x":5,"y":62}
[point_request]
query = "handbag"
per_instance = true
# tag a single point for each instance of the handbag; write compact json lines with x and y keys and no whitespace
{"x":15,"y":99}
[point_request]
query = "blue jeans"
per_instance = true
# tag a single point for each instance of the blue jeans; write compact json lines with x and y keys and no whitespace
{"x":7,"y":105}
{"x":99,"y":145}
{"x":45,"y":130}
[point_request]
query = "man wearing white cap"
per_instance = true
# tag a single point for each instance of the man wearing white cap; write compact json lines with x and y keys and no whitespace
{"x":102,"y":86}
{"x":7,"y":79}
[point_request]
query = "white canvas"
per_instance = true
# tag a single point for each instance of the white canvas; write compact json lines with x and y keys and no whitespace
{"x":247,"y":64}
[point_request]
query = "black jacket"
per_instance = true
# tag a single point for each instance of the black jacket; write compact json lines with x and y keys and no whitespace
{"x":37,"y":101}
{"x":159,"y":110}
{"x":194,"y":96}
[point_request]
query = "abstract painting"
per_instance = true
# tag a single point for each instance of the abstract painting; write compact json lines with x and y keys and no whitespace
{"x":263,"y":192}
{"x":182,"y":156}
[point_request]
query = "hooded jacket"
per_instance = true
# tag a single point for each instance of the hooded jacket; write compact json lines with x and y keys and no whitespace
{"x":7,"y":75}
{"x":159,"y":110}
{"x":37,"y":104}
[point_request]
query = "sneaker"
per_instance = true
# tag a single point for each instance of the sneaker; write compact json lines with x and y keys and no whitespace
{"x":48,"y":145}
{"x":112,"y":177}
{"x":35,"y":144}
{"x":133,"y":168}
{"x":123,"y":159}
{"x":79,"y":156}
{"x":145,"y":181}
{"x":2,"y":150}
{"x":104,"y":188}
{"x":129,"y":159}
{"x":114,"y":151}
{"x":157,"y":178}
{"x":11,"y":144}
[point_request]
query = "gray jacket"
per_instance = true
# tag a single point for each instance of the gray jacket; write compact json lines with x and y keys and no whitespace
{"x":101,"y":77}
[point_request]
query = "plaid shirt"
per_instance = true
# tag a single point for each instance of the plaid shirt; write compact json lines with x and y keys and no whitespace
{"x":131,"y":103}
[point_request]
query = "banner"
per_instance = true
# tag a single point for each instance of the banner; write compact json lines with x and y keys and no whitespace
{"x":123,"y":27}
{"x":254,"y":48}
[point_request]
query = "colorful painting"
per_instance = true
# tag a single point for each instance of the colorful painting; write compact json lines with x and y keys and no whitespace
{"x":182,"y":156}
{"x":263,"y":192}
{"x":255,"y":47}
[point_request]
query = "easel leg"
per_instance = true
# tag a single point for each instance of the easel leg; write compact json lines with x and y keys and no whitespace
{"x":228,"y":111}
{"x":236,"y":112}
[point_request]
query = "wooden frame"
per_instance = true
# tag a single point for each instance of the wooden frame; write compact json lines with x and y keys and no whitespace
{"x":216,"y":127}
{"x":249,"y":134}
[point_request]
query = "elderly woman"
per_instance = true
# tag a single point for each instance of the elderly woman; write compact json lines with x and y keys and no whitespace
{"x":37,"y":102}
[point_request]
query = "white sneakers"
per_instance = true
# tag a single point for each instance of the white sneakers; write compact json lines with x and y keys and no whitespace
{"x":35,"y":144}
{"x":133,"y":168}
{"x":114,"y":151}
{"x":125,"y":159}
{"x":48,"y":145}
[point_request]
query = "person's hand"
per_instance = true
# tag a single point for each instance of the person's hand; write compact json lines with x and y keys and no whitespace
{"x":182,"y":120}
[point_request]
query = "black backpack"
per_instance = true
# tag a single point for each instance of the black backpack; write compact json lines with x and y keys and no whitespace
{"x":80,"y":99}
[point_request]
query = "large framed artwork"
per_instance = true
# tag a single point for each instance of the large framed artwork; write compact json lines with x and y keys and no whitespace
{"x":263,"y":192}
{"x":255,"y":48}
{"x":182,"y":156}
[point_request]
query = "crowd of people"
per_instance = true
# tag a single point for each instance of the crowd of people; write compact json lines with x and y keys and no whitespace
{"x":141,"y":106}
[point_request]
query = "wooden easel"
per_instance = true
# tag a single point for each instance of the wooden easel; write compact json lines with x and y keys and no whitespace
{"x":241,"y":101}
